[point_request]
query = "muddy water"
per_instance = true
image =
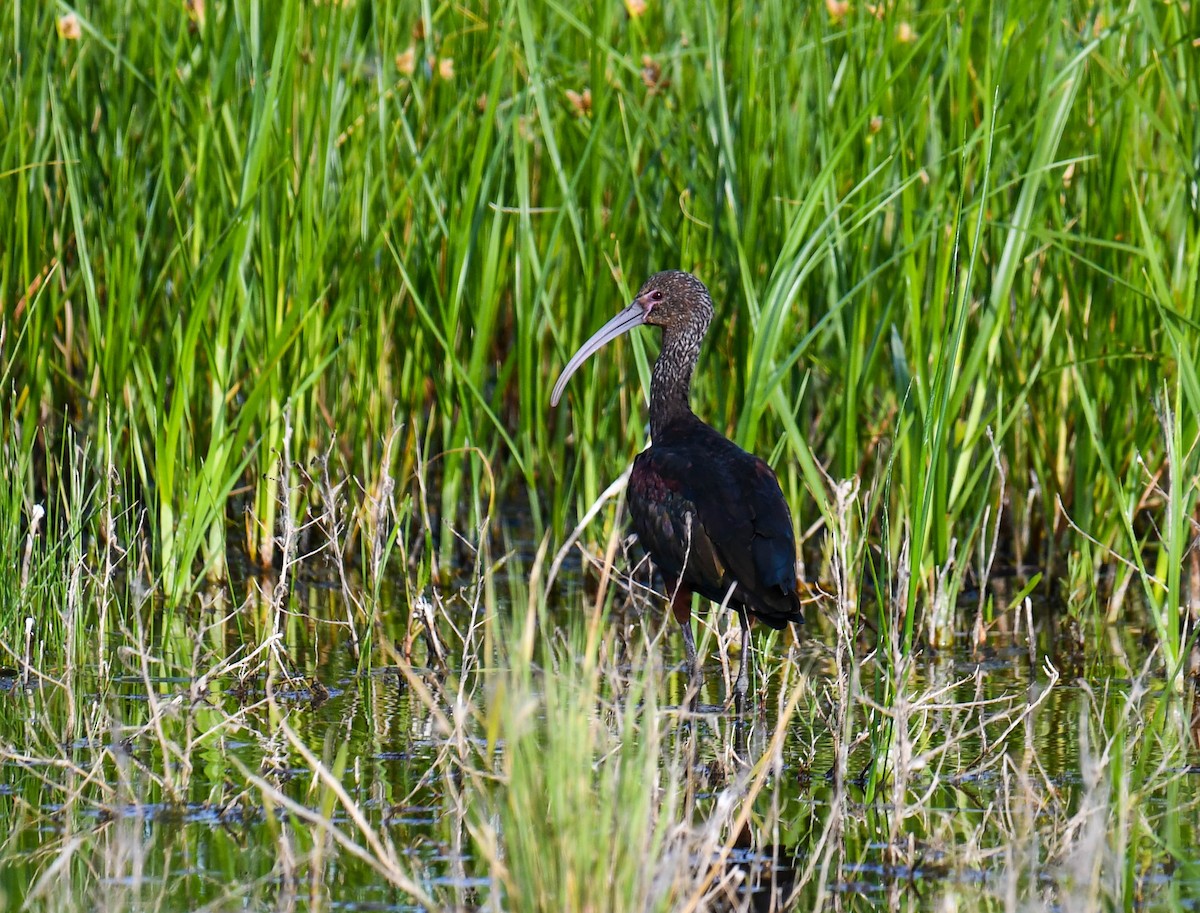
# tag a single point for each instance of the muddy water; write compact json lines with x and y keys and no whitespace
{"x":1009,"y":800}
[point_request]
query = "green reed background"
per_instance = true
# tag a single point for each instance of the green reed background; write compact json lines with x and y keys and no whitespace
{"x":954,"y":249}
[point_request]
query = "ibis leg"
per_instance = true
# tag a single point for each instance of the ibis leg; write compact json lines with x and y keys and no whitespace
{"x":742,"y":685}
{"x":681,"y":608}
{"x":689,"y":645}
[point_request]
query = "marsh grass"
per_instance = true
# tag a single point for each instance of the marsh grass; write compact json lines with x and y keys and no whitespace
{"x":548,"y":763}
{"x":282,"y":293}
{"x":957,"y":244}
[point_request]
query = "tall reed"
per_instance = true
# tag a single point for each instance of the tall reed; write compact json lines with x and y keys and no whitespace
{"x":951,"y":248}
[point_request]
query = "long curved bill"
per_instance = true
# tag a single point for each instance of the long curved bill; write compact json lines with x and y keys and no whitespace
{"x":632,"y":316}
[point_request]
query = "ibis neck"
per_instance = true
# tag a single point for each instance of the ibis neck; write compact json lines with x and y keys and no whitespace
{"x":671,"y":381}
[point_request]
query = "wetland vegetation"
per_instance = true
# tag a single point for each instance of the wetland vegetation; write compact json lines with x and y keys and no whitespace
{"x":310,"y":601}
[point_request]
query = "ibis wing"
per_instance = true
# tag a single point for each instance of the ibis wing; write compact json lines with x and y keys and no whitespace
{"x":740,"y":529}
{"x":668,"y":524}
{"x":751,"y":528}
{"x":773,"y":548}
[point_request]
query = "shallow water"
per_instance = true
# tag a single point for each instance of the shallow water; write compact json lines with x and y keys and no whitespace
{"x":170,"y":814}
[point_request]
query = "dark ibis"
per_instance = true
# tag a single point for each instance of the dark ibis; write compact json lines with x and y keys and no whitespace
{"x":711,"y":515}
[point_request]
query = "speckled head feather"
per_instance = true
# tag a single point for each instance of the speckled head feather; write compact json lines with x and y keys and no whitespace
{"x":680,"y":304}
{"x":678,"y":300}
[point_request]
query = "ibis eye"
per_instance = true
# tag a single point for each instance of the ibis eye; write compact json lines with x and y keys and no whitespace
{"x":657,"y":296}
